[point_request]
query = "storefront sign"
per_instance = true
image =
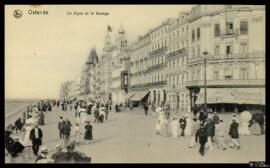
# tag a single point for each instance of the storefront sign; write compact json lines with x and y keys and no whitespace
{"x":233,"y":95}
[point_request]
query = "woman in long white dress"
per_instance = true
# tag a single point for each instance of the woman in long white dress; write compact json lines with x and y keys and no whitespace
{"x":26,"y":140}
{"x":83,"y":115}
{"x":175,"y":128}
{"x":188,"y":128}
{"x":245,"y":117}
{"x":163,"y":121}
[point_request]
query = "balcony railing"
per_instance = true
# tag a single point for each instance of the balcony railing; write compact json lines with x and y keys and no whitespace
{"x":160,"y":50}
{"x":158,"y":66}
{"x":181,"y":51}
{"x":235,"y":56}
{"x":227,"y":82}
{"x":157,"y":83}
{"x":229,"y":32}
{"x":149,"y":84}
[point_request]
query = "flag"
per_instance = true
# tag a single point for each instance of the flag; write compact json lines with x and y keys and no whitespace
{"x":109,"y":28}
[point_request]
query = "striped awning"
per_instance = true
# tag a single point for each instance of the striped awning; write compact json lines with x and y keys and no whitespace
{"x":129,"y":95}
{"x":139,"y":95}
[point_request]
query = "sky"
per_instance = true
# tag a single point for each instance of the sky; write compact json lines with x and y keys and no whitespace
{"x":42,"y":51}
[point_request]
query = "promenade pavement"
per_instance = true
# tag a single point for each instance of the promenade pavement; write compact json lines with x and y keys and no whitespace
{"x":129,"y":137}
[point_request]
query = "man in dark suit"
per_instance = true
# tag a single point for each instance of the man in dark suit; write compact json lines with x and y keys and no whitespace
{"x":36,"y":137}
{"x":201,"y":134}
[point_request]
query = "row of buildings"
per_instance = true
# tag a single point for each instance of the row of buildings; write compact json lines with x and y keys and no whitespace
{"x":223,"y":43}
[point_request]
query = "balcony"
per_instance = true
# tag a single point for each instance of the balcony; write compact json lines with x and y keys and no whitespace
{"x":158,"y":66}
{"x":229,"y":33}
{"x":229,"y":57}
{"x":181,"y":51}
{"x":160,"y":83}
{"x":158,"y":51}
{"x":227,"y":83}
{"x":157,"y":83}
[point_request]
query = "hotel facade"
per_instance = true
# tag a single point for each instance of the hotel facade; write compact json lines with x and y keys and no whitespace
{"x":223,"y":44}
{"x":170,"y":64}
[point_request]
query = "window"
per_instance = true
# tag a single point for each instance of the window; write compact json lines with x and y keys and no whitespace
{"x":228,"y":72}
{"x":228,"y":77}
{"x":217,"y":30}
{"x":198,"y":75}
{"x":229,"y":50}
{"x":229,"y":28}
{"x":243,"y":73}
{"x":183,"y":29}
{"x":199,"y":51}
{"x":183,"y":79}
{"x":216,"y":75}
{"x":183,"y":44}
{"x":183,"y":59}
{"x":177,"y":33}
{"x":187,"y":28}
{"x":198,"y":34}
{"x":243,"y":27}
{"x":193,"y":35}
{"x":217,"y":50}
{"x":193,"y":52}
{"x":243,"y":47}
{"x":177,"y":79}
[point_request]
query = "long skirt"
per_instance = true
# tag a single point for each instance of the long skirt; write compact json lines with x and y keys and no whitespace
{"x":243,"y":128}
{"x":88,"y":135}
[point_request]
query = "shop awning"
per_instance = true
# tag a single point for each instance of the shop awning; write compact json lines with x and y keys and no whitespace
{"x":139,"y":95}
{"x":232,"y":95}
{"x":129,"y":95}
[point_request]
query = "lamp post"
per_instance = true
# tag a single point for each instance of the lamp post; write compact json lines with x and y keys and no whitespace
{"x":205,"y":93}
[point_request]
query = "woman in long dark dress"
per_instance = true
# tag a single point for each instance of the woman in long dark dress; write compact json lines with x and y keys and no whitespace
{"x":41,"y":118}
{"x":88,"y":132}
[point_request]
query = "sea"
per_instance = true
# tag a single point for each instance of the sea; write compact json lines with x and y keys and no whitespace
{"x":15,"y":107}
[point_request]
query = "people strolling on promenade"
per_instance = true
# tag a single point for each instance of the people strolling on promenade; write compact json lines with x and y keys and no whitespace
{"x":233,"y":132}
{"x":66,"y":131}
{"x":36,"y":137}
{"x":201,"y":135}
{"x":77,"y":133}
{"x":61,"y":124}
{"x":57,"y":157}
{"x":88,"y":135}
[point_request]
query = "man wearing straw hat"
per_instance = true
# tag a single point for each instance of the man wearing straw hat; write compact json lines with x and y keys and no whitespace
{"x":73,"y":156}
{"x":43,"y":154}
{"x":57,"y":156}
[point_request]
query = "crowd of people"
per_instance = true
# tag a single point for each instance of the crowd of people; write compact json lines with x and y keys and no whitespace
{"x":25,"y":136}
{"x":208,"y":129}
